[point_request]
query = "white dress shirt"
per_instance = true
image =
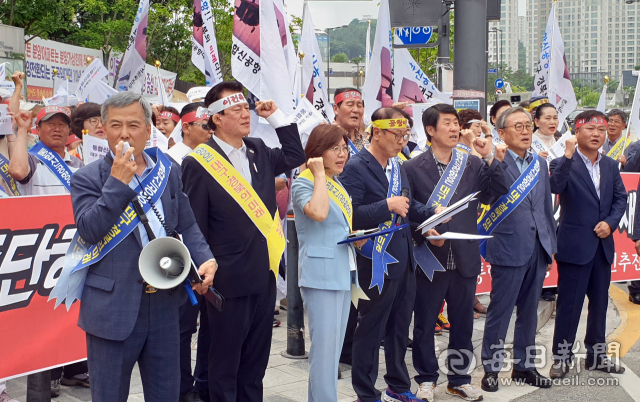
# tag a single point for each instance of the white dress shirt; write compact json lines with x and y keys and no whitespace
{"x":593,"y":168}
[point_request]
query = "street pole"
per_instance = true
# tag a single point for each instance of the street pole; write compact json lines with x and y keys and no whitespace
{"x":328,"y":66}
{"x":295,"y":310}
{"x":470,"y":52}
{"x":444,"y":46}
{"x":39,"y":386}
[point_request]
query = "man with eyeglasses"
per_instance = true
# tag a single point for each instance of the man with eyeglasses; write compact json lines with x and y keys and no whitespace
{"x":439,"y":177}
{"x":195,"y":131}
{"x":520,"y":253}
{"x":616,"y":129}
{"x":592,"y":202}
{"x":230,"y":181}
{"x":381,"y":198}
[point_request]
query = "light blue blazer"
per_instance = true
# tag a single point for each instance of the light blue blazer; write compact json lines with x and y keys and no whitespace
{"x":322,"y":263}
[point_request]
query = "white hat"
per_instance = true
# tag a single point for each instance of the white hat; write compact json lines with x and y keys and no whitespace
{"x":4,"y":94}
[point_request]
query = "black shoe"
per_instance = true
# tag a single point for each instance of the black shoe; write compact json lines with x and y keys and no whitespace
{"x":191,"y":397}
{"x":558,"y":370}
{"x":410,"y":344}
{"x":605,"y":365}
{"x":532,"y":377}
{"x":345,"y":359}
{"x":634,"y":298}
{"x":548,"y":296}
{"x":489,"y":382}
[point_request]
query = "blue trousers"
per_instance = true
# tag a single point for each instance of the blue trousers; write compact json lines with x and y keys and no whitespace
{"x":153,"y":344}
{"x":328,"y":312}
{"x":514,"y":287}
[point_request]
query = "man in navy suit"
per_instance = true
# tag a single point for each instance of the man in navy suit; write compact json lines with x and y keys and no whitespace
{"x":126,"y":320}
{"x":387,"y":314}
{"x":241,"y":332}
{"x":521,"y":253}
{"x":592,"y":202}
{"x":442,"y":164}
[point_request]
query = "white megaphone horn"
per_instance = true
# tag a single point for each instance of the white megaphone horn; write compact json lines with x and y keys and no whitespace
{"x":164,"y":263}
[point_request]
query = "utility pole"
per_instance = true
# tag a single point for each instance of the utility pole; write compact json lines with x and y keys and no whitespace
{"x":444,"y":46}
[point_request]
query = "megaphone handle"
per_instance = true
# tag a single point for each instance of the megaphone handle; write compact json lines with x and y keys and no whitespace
{"x":190,"y":293}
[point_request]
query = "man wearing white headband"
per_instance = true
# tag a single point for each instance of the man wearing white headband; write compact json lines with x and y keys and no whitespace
{"x":230,"y":181}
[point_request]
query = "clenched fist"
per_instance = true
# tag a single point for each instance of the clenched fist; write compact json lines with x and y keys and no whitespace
{"x":483,"y":146}
{"x":316,"y":165}
{"x":570,"y":147}
{"x":501,"y":149}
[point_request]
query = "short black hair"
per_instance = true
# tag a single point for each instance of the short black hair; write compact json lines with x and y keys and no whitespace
{"x":493,"y":113}
{"x":215,"y":94}
{"x":190,"y":107}
{"x":431,"y":116}
{"x":588,"y":114}
{"x":338,"y":91}
{"x":618,"y":112}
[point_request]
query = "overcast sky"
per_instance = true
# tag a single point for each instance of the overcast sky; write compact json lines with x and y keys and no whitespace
{"x":330,"y":14}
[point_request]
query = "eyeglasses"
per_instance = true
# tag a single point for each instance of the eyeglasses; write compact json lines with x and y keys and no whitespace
{"x":339,"y":150}
{"x":204,"y":126}
{"x":398,"y":136}
{"x":93,"y":122}
{"x":615,"y":121}
{"x":519,"y":127}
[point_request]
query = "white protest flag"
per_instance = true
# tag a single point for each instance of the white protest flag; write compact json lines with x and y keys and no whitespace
{"x":377,"y":90}
{"x":367,"y":49}
{"x":101,"y":93}
{"x":90,"y":77}
{"x":94,"y":148}
{"x":133,"y":63}
{"x":6,"y":127}
{"x":163,"y":96}
{"x":59,"y":84}
{"x":157,"y":140}
{"x":603,"y":100}
{"x":410,"y":83}
{"x":541,"y":80}
{"x":204,"y":51}
{"x":634,"y":118}
{"x":314,"y":83}
{"x":245,"y":51}
{"x":290,"y":55}
{"x":560,"y":92}
{"x":3,"y":71}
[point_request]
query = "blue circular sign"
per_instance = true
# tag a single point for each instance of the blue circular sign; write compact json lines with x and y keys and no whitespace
{"x":499,"y":83}
{"x":414,"y":35}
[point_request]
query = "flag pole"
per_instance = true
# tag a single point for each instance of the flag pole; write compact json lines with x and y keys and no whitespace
{"x":160,"y":88}
{"x":553,"y":34}
{"x":300,"y":68}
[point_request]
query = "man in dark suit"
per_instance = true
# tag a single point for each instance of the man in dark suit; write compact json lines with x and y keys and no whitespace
{"x":126,"y":320}
{"x":460,"y":259}
{"x":592,"y":202}
{"x":242,"y":330}
{"x":387,"y":314}
{"x":521,"y":253}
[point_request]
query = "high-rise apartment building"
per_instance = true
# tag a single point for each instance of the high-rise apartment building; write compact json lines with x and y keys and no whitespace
{"x":507,"y":45}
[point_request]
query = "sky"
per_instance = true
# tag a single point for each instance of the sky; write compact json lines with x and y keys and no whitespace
{"x":330,"y":14}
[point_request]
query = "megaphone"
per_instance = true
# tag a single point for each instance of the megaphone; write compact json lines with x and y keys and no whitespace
{"x":164,"y":263}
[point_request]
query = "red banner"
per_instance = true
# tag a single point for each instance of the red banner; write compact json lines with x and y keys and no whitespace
{"x":626,"y":265}
{"x":35,"y":234}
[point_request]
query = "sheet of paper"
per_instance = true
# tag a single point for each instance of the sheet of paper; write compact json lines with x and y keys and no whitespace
{"x":557,"y":150}
{"x":6,"y":127}
{"x":458,"y":236}
{"x":448,"y":212}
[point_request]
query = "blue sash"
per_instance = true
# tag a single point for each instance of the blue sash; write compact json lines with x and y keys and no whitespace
{"x":352,"y":149}
{"x":80,"y":255}
{"x":378,"y":252}
{"x":4,"y":173}
{"x":441,"y":196}
{"x":508,"y":202}
{"x":53,"y":161}
{"x":463,"y":147}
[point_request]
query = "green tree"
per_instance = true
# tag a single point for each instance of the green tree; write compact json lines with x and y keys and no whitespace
{"x":340,"y":58}
{"x":522,"y":56}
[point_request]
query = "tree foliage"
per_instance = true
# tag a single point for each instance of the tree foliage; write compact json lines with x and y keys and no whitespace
{"x":340,"y":58}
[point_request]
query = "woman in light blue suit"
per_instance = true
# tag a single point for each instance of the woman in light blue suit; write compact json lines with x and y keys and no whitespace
{"x":323,"y":215}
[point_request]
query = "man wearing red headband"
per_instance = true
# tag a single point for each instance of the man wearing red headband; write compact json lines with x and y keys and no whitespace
{"x":592,"y":202}
{"x":349,"y":109}
{"x":195,"y":131}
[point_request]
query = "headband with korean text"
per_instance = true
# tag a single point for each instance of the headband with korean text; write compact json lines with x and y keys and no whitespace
{"x":594,"y":120}
{"x":347,"y":95}
{"x":390,"y":123}
{"x":169,"y":115}
{"x":191,"y":117}
{"x":225,"y":103}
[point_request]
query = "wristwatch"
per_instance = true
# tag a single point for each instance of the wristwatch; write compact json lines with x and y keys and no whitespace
{"x":491,"y":155}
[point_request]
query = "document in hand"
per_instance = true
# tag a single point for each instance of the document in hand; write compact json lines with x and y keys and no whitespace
{"x":447,"y":213}
{"x":458,"y":236}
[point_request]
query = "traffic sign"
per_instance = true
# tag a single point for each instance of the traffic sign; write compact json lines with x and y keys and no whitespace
{"x":499,"y":83}
{"x":498,"y":91}
{"x":492,"y":71}
{"x":414,"y":35}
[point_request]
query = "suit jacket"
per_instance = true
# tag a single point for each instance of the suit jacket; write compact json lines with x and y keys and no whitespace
{"x":322,"y":263}
{"x":238,"y":246}
{"x":113,"y":288}
{"x":581,"y":209}
{"x":514,"y":238}
{"x":365,"y":181}
{"x":478,"y":176}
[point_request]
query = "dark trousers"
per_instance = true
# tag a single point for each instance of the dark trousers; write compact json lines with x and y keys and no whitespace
{"x":188,"y":326}
{"x":574,"y":282}
{"x":387,"y":316}
{"x":239,"y":354}
{"x":347,"y":345}
{"x":70,"y":370}
{"x":514,"y":287}
{"x":459,"y":293}
{"x":153,"y":344}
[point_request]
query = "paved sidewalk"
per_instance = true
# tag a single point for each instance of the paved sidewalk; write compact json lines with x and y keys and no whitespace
{"x":286,"y":379}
